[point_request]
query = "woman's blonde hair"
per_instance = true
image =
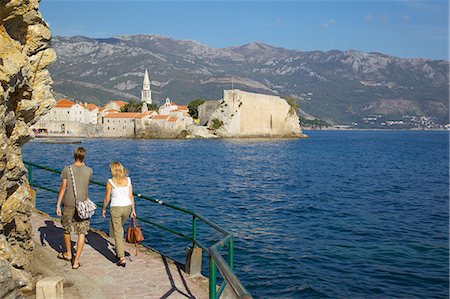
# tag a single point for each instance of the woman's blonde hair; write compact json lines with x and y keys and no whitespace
{"x":118,"y":171}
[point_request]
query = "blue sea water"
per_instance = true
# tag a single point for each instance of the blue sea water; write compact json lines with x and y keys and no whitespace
{"x":342,"y":214}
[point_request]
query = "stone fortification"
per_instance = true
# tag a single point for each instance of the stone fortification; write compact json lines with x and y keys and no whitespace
{"x":205,"y":110}
{"x":247,"y":114}
{"x":25,"y":95}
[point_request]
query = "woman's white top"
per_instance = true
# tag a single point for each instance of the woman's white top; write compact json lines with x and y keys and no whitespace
{"x":120,"y":196}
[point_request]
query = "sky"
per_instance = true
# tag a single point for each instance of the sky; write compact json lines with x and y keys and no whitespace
{"x":400,"y":28}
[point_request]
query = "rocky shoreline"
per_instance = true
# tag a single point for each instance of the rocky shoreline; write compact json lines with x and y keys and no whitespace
{"x":25,"y":95}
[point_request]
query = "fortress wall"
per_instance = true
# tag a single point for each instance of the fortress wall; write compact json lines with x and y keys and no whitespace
{"x":262,"y":115}
{"x":247,"y":114}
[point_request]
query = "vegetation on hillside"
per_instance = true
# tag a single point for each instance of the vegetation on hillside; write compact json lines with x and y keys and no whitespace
{"x":193,"y":107}
{"x":314,"y":123}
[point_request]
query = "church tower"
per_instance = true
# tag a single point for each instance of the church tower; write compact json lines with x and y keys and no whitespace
{"x":146,"y":93}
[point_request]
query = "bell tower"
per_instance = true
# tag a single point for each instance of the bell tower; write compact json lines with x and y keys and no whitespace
{"x":146,"y":93}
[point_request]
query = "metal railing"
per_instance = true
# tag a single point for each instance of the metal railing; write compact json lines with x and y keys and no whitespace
{"x":216,"y":261}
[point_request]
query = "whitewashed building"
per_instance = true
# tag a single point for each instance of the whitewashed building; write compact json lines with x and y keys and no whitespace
{"x":125,"y":124}
{"x":67,"y":117}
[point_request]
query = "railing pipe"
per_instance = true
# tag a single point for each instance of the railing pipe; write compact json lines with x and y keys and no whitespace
{"x":231,"y":254}
{"x":221,"y":289}
{"x":212,"y":278}
{"x":222,"y":242}
{"x":228,"y":275}
{"x":194,"y":231}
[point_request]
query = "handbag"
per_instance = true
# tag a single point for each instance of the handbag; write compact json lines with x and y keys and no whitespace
{"x":134,"y":233}
{"x":85,"y":208}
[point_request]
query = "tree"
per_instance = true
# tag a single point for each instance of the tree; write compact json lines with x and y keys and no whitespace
{"x":132,"y":106}
{"x":293,"y":103}
{"x":193,"y":107}
{"x":152,"y":106}
{"x":136,"y":106}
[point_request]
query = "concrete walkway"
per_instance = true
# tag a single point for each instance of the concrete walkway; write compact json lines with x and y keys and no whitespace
{"x":147,"y":275}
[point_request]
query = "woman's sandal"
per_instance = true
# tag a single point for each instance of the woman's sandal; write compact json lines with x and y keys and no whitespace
{"x":61,"y":256}
{"x":122,"y":262}
{"x":74,"y":268}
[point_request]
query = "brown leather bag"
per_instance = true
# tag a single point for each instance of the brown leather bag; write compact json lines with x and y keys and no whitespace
{"x":134,"y":233}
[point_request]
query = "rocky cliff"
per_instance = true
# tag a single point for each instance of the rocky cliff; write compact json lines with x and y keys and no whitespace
{"x":25,"y":95}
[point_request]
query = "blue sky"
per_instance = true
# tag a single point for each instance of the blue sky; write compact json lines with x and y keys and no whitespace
{"x":400,"y":28}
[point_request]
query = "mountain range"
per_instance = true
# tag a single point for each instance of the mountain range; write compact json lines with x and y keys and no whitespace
{"x":339,"y":86}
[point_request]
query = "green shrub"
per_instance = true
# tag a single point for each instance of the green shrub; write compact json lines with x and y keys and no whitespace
{"x":216,"y":123}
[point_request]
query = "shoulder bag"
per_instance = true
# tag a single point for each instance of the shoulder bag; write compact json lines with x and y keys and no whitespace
{"x":134,"y":233}
{"x":85,"y":208}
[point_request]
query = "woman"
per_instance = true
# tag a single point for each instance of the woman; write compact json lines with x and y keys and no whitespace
{"x":120,"y":192}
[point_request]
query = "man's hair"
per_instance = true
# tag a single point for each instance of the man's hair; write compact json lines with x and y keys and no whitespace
{"x":79,"y":154}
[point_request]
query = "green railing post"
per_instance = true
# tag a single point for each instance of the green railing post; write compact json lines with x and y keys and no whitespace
{"x":231,"y":254}
{"x":212,"y":279}
{"x":194,"y":231}
{"x":30,"y":174}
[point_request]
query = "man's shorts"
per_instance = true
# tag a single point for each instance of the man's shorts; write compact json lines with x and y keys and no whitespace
{"x":71,"y":222}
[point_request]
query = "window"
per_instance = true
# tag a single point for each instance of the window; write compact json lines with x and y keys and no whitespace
{"x":108,"y":128}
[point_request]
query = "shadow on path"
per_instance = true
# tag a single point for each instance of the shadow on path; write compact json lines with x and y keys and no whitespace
{"x":101,"y":245}
{"x":172,"y":282}
{"x":53,"y":236}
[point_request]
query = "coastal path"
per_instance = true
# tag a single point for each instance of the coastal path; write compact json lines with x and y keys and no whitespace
{"x":147,"y":275}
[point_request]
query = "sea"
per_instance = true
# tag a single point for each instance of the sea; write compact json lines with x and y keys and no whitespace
{"x":342,"y":214}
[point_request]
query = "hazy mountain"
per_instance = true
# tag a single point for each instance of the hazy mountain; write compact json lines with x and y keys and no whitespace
{"x":341,"y":86}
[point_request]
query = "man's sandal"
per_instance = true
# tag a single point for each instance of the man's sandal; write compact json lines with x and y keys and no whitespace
{"x":61,"y":256}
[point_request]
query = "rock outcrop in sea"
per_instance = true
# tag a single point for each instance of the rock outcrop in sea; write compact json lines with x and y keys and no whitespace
{"x":25,"y":95}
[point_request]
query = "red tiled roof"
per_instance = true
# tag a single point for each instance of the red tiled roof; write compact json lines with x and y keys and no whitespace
{"x":63,"y":103}
{"x":182,"y":107}
{"x":123,"y":115}
{"x":160,"y":116}
{"x":173,"y":119}
{"x":120,"y":103}
{"x":141,"y":115}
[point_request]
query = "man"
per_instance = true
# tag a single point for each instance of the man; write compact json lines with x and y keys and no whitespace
{"x":70,"y":220}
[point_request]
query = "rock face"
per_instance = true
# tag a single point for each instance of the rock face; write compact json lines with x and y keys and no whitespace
{"x":247,"y":114}
{"x":205,"y":110}
{"x":25,"y":95}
